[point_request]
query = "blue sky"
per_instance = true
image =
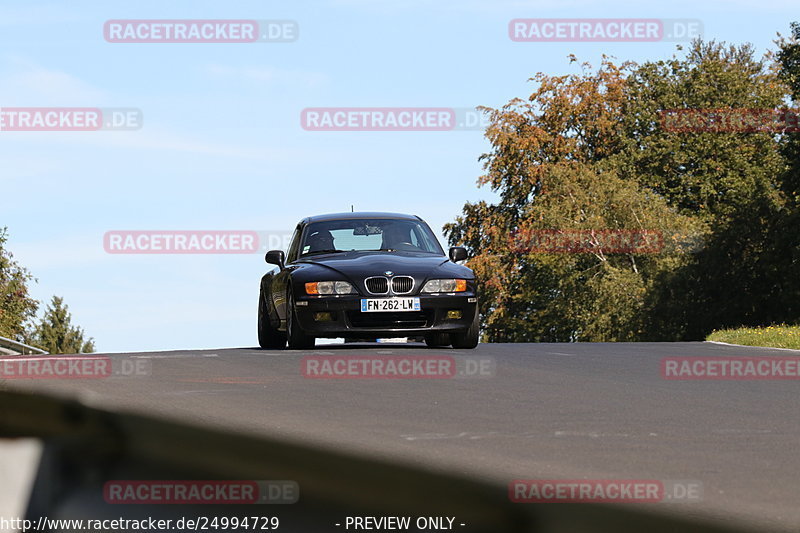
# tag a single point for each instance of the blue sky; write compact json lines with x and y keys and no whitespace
{"x":222,"y":146}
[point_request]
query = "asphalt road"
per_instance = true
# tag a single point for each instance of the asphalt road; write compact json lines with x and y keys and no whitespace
{"x":561,"y":411}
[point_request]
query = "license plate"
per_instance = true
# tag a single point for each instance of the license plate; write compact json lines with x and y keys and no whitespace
{"x":380,"y":305}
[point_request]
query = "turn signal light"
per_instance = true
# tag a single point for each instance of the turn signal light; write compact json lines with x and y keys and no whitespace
{"x":311,"y":288}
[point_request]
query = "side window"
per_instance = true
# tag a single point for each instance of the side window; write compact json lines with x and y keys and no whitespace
{"x":291,"y":255}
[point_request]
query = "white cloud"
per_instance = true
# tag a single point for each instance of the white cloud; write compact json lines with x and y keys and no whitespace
{"x":269,"y":75}
{"x":155,"y":138}
{"x":29,"y":15}
{"x":534,"y":6}
{"x":63,"y":252}
{"x":18,"y":166}
{"x":27,"y":83}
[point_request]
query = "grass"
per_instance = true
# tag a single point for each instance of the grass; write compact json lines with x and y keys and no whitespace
{"x":781,"y":336}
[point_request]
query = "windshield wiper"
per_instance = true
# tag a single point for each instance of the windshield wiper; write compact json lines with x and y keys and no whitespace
{"x":419,"y":251}
{"x":316,"y":252}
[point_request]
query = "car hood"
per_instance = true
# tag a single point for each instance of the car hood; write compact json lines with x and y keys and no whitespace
{"x":358,"y":265}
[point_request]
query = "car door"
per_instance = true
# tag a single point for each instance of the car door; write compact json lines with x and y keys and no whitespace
{"x":281,"y":280}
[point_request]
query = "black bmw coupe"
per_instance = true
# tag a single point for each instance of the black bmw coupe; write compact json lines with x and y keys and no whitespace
{"x":367,"y":276}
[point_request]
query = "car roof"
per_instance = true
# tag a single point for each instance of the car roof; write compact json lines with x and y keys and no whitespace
{"x":358,"y":214}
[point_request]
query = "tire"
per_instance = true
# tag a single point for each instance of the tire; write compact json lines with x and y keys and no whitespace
{"x":437,"y":340}
{"x":468,"y":339}
{"x":297,"y":339}
{"x":269,"y":338}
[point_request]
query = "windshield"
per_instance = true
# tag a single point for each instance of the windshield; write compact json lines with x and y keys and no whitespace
{"x":389,"y":235}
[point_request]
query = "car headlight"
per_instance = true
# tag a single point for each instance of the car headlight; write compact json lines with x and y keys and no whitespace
{"x":329,"y":287}
{"x":445,"y":285}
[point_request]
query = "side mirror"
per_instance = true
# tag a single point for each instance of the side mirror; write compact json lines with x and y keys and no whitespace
{"x":458,"y":253}
{"x":275,"y":257}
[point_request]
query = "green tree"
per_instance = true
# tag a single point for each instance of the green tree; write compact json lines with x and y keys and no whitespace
{"x":786,"y":241}
{"x":729,"y":179}
{"x":714,"y":174}
{"x":56,"y":334}
{"x":597,"y":295}
{"x":17,"y":308}
{"x":588,"y":151}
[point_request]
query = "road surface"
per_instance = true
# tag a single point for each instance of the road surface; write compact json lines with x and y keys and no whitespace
{"x":563,"y":411}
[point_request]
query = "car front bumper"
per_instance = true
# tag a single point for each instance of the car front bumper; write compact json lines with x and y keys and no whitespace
{"x":345,"y":319}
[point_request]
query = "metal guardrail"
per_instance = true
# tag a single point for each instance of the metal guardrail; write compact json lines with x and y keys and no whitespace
{"x":12,"y":347}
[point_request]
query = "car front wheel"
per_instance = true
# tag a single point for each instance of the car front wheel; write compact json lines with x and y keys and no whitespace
{"x":469,"y":338}
{"x":297,"y":338}
{"x":437,"y":340}
{"x":268,"y":337}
